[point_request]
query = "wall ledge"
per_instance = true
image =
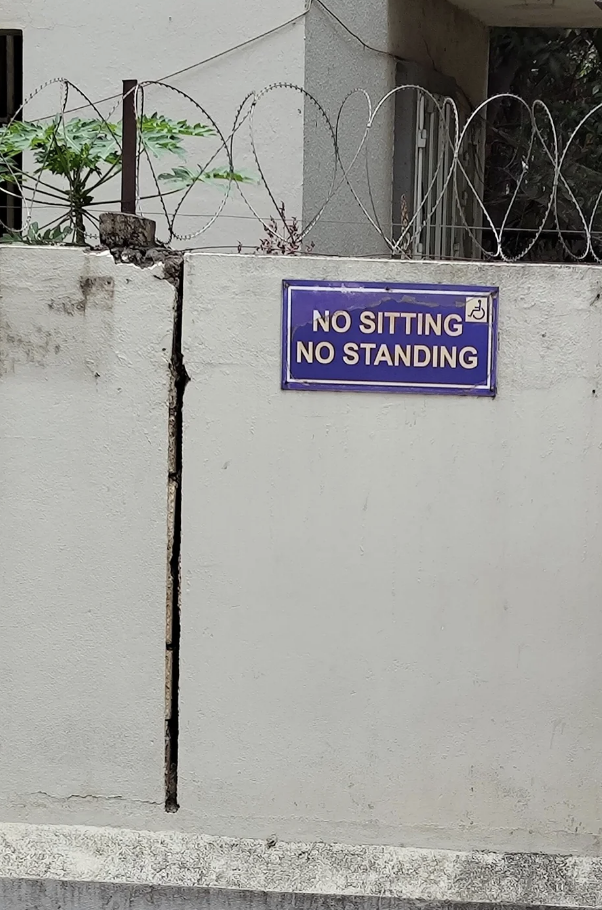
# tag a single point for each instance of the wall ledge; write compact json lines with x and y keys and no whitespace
{"x":71,"y":854}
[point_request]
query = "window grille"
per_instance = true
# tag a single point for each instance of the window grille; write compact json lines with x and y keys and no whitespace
{"x":11,"y":99}
{"x":440,"y":206}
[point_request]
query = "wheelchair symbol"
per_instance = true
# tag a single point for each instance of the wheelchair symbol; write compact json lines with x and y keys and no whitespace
{"x":477,"y":309}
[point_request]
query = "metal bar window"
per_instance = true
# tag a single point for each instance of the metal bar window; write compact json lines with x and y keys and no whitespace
{"x":11,"y":99}
{"x":441,"y":206}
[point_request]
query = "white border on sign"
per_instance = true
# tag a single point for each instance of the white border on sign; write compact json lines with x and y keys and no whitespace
{"x":413,"y":385}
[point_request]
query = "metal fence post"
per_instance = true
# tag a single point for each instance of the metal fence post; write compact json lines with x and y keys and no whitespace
{"x":129,"y":141}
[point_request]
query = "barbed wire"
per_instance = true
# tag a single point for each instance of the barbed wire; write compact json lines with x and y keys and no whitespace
{"x":447,"y":211}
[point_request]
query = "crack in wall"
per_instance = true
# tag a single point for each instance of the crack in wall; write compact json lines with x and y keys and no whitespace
{"x":179,"y":380}
{"x":91,"y":797}
{"x":132,"y":240}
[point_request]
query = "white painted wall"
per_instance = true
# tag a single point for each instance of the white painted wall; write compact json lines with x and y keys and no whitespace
{"x":391,"y":603}
{"x":84,"y":352}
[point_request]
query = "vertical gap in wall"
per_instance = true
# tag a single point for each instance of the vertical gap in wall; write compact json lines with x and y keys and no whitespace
{"x":179,"y":378}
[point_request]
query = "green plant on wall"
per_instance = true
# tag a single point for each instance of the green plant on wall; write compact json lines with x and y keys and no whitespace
{"x":85,"y":155}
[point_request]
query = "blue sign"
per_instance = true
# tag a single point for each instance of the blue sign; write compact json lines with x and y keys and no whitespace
{"x":377,"y":337}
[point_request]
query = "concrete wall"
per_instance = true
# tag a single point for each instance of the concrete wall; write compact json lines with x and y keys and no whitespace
{"x":437,"y":34}
{"x":391,"y":603}
{"x":84,"y":353}
{"x":562,"y":14}
{"x":335,"y":66}
{"x":434,"y":34}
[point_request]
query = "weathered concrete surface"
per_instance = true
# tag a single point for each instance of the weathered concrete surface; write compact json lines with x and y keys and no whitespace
{"x":84,"y":354}
{"x":287,"y":870}
{"x":118,"y":229}
{"x":391,"y":603}
{"x":50,"y":895}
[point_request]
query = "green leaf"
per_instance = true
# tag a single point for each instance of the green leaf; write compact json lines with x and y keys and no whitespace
{"x":36,"y":236}
{"x":159,"y":135}
{"x":183,"y":177}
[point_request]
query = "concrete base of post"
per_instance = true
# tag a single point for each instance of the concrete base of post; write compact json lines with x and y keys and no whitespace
{"x":119,"y":230}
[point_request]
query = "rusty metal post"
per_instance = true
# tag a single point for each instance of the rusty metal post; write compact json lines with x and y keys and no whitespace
{"x":129,"y":151}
